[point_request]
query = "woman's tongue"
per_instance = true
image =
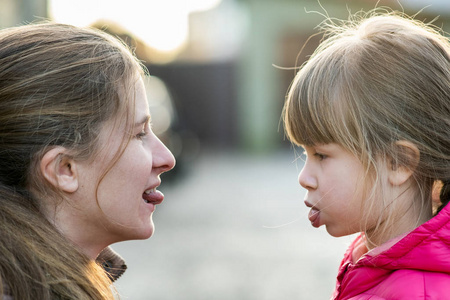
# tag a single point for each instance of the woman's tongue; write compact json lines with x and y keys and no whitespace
{"x":154,"y":197}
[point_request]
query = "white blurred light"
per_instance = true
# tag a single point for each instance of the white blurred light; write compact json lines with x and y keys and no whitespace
{"x":161,"y":24}
{"x":160,"y":104}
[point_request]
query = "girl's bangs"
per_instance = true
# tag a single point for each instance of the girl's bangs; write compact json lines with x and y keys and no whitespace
{"x":317,"y":107}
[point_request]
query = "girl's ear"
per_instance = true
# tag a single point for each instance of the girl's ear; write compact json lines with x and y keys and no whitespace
{"x":401,"y":169}
{"x":60,"y":170}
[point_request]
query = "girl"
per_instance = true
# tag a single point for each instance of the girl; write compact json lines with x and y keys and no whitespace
{"x":371,"y":108}
{"x":79,"y":164}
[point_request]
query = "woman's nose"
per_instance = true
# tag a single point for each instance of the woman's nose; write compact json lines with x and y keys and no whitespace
{"x":163,"y":159}
{"x":306,"y":179}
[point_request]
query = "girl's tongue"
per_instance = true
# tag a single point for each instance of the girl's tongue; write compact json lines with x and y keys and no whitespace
{"x":313,"y":217}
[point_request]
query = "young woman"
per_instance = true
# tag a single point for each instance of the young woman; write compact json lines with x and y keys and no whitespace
{"x":79,"y":164}
{"x":371,"y":108}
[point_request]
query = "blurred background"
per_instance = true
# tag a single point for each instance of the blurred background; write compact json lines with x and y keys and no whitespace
{"x":233,"y":224}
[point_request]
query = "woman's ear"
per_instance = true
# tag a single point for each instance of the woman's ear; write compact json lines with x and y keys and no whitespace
{"x":402,"y":168}
{"x":60,"y":170}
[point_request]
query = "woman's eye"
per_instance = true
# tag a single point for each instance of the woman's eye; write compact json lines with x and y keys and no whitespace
{"x":145,"y":130}
{"x":141,"y":134}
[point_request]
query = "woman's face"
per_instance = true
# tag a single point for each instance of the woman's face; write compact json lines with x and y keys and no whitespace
{"x":118,"y":197}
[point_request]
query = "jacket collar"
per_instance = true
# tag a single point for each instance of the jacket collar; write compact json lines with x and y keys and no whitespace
{"x":112,"y":263}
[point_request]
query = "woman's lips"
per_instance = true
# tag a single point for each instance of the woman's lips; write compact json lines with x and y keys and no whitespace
{"x":313,"y":215}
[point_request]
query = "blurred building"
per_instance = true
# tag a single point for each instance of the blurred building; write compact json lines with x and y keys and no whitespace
{"x":229,"y":78}
{"x":234,"y":98}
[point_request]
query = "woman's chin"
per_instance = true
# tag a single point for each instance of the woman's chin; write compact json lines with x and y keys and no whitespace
{"x":141,"y":233}
{"x":148,"y":232}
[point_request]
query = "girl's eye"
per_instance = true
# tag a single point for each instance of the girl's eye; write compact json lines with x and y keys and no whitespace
{"x":320,"y":156}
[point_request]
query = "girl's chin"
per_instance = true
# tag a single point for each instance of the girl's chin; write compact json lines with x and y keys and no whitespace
{"x":338,"y":233}
{"x":334,"y":232}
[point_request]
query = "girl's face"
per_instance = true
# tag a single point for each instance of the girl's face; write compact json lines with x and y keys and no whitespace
{"x":333,"y":178}
{"x":118,"y":205}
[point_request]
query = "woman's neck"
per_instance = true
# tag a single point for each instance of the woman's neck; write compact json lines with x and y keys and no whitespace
{"x":66,"y":220}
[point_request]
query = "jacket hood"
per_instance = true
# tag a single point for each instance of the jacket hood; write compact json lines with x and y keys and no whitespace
{"x":427,"y":248}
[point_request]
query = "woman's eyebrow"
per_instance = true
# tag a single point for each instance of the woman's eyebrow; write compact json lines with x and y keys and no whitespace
{"x":144,"y":120}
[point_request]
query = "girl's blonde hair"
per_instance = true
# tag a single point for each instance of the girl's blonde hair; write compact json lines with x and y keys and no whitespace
{"x":377,"y":79}
{"x":58,"y":85}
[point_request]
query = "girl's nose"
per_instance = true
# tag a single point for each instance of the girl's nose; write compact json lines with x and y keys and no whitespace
{"x":307,"y":180}
{"x":163,"y":159}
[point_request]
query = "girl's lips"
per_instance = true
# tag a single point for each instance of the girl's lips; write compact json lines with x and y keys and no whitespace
{"x":313,"y":215}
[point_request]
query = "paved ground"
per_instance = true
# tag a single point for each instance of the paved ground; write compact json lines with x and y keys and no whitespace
{"x":233,"y":228}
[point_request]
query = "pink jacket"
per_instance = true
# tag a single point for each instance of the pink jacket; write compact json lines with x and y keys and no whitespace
{"x":415,"y":266}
